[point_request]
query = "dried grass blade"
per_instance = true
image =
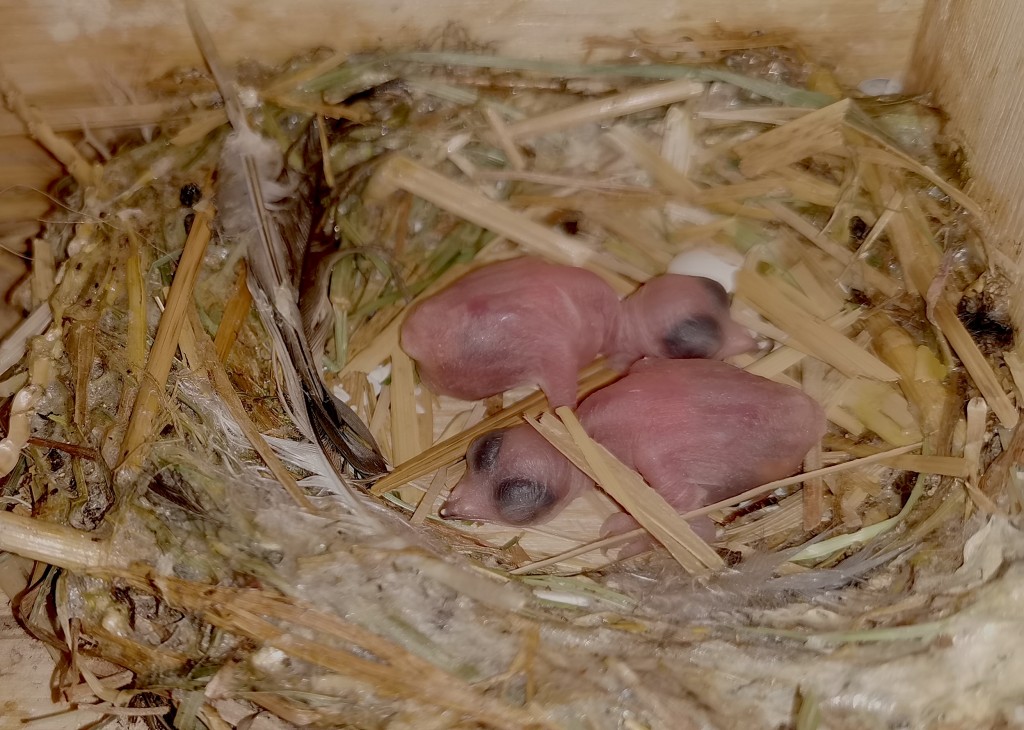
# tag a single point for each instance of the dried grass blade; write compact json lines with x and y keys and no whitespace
{"x":634,"y":230}
{"x":50,"y":543}
{"x":811,"y":134}
{"x":792,"y":219}
{"x":504,"y":136}
{"x":221,"y":381}
{"x":401,"y":172}
{"x":200,"y":127}
{"x":617,"y":105}
{"x":158,"y":366}
{"x":891,"y":209}
{"x":664,"y":173}
{"x":911,"y":237}
{"x":900,"y":351}
{"x":629,"y":489}
{"x":86,"y":174}
{"x":975,"y":364}
{"x":812,"y":189}
{"x":892,"y":157}
{"x":564,"y":181}
{"x":809,"y":333}
{"x":44,"y":271}
{"x":81,"y":345}
{"x":786,"y":516}
{"x":920,"y":258}
{"x":1016,"y":366}
{"x":235,"y":312}
{"x":757,"y":114}
{"x":405,"y":440}
{"x":426,"y":505}
{"x":763,"y":188}
{"x":977,"y":414}
{"x":378,"y":421}
{"x":829,"y":298}
{"x":950,"y":466}
{"x":136,"y":295}
{"x":14,"y":345}
{"x":813,"y":501}
{"x":589,"y":547}
{"x":114,"y":116}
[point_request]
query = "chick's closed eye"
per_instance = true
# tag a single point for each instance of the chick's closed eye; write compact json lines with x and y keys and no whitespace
{"x":483,"y":453}
{"x":521,"y":501}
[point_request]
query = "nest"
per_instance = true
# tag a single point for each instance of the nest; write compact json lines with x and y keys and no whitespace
{"x":186,"y":532}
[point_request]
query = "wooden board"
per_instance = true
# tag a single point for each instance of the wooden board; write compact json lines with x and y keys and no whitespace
{"x":67,"y":50}
{"x":970,"y":55}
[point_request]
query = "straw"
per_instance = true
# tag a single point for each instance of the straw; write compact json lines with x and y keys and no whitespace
{"x":811,"y":134}
{"x":86,"y":174}
{"x":235,"y":313}
{"x":809,"y":333}
{"x":628,"y":488}
{"x":158,"y":365}
{"x":401,"y":172}
{"x":405,"y":433}
{"x":610,"y":107}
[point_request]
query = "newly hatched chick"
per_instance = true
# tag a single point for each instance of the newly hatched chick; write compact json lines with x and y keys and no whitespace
{"x":527,"y":321}
{"x":698,"y":431}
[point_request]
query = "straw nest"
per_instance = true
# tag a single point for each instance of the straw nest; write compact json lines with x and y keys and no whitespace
{"x":186,"y":533}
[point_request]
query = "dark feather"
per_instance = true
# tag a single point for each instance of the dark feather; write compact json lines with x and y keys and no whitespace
{"x":270,"y":209}
{"x":350,"y":442}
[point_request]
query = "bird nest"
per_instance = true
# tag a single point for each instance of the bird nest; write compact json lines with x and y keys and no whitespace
{"x":188,"y":528}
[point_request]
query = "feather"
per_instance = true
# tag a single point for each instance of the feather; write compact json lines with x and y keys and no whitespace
{"x":269,"y":209}
{"x":321,"y":257}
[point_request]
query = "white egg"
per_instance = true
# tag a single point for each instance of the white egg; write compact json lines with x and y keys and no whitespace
{"x":711,"y":262}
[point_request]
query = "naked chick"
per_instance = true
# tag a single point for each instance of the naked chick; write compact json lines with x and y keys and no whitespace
{"x":527,"y":321}
{"x":698,"y":431}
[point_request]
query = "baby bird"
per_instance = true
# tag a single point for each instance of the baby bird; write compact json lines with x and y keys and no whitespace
{"x":698,"y":431}
{"x":526,"y":321}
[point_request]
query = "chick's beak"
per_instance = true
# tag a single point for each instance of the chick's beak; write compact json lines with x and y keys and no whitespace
{"x":447,"y":511}
{"x":453,"y":509}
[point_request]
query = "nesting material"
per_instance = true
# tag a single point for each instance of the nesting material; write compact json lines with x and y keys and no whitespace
{"x":154,"y":454}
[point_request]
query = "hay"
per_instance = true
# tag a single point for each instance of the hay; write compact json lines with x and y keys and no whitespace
{"x":201,"y":543}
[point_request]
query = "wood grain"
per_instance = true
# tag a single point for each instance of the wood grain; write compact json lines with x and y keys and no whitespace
{"x":970,"y":56}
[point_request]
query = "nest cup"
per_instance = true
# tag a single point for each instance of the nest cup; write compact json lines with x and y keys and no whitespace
{"x":194,"y":560}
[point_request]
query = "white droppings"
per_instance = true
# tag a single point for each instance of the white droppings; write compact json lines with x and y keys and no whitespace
{"x":248,"y":97}
{"x":269,"y":659}
{"x":377,"y":376}
{"x":130,"y":214}
{"x":880,"y":87}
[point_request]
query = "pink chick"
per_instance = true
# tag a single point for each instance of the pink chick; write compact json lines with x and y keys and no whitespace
{"x":527,"y":321}
{"x":698,"y":431}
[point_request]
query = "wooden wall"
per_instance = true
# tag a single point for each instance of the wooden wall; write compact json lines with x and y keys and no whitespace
{"x":971,"y":55}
